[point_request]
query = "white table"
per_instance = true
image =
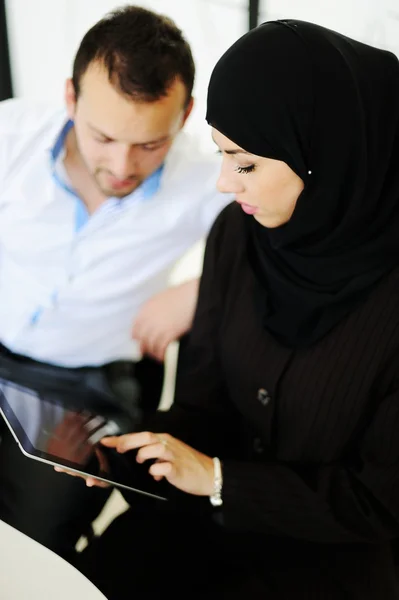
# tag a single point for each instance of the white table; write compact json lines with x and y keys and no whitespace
{"x":29,"y":571}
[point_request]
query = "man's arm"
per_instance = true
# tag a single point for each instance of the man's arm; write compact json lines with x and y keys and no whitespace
{"x":165,"y":318}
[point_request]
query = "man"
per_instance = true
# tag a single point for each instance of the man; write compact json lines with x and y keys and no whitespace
{"x":96,"y":206}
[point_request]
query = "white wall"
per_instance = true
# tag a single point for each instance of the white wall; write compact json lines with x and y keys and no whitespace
{"x":372,"y":21}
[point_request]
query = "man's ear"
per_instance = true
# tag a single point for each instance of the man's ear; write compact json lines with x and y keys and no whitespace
{"x":70,"y":98}
{"x":188,"y":110}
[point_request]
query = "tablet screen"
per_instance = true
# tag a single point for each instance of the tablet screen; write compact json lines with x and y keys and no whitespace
{"x":52,"y":429}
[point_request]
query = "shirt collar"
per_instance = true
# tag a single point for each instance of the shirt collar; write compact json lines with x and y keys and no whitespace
{"x":60,"y":142}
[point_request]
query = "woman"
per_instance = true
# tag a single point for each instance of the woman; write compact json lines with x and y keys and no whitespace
{"x":290,"y":377}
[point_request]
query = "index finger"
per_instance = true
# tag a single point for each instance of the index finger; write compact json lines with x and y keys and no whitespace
{"x":130,"y":441}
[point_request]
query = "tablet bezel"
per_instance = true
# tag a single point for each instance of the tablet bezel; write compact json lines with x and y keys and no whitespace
{"x":30,"y":451}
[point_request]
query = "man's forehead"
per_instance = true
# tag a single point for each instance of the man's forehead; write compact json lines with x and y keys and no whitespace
{"x":95,"y":84}
{"x":132,"y":128}
{"x":117,"y":116}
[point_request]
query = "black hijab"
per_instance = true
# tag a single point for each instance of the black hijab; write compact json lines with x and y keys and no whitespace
{"x":327,"y":106}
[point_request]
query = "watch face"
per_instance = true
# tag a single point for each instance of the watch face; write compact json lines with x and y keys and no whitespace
{"x":216,"y":500}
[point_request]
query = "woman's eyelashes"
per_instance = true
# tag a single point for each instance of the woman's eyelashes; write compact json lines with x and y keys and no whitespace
{"x":248,"y":169}
{"x":239,"y":169}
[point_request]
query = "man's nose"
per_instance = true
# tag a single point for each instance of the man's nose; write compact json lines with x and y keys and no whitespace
{"x":123,"y":165}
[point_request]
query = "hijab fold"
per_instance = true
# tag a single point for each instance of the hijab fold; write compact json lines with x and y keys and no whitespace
{"x":327,"y":106}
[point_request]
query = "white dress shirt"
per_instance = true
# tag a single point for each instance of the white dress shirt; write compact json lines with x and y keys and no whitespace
{"x":72,"y":284}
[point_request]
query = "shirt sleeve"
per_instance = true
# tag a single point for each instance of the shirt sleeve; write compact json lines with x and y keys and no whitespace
{"x":13,"y":121}
{"x":5,"y":110}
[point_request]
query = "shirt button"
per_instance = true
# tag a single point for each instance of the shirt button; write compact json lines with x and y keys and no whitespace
{"x":263,"y":396}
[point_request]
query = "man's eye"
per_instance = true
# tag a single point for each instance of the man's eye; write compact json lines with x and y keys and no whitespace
{"x":151,"y":148}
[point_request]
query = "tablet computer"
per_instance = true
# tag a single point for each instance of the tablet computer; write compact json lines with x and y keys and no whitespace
{"x":53,"y":429}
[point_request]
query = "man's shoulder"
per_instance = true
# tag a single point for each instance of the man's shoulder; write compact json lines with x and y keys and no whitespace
{"x":26,"y":129}
{"x":24,"y":117}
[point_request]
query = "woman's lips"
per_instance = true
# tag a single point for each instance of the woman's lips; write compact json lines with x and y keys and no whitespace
{"x":248,"y":208}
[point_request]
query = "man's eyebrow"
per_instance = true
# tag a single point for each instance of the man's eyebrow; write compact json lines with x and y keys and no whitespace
{"x":151,"y":142}
{"x":157,"y":141}
{"x":98,"y":131}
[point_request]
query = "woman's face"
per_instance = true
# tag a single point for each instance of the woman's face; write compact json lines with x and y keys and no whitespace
{"x":266,"y":188}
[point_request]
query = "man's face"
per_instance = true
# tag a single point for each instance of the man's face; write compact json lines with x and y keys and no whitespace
{"x":120,"y":140}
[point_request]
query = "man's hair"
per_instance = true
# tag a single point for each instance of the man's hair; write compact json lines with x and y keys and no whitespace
{"x":143,"y":52}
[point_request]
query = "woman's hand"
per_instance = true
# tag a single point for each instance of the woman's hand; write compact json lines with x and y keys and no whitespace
{"x":185,"y":468}
{"x":91,"y":481}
